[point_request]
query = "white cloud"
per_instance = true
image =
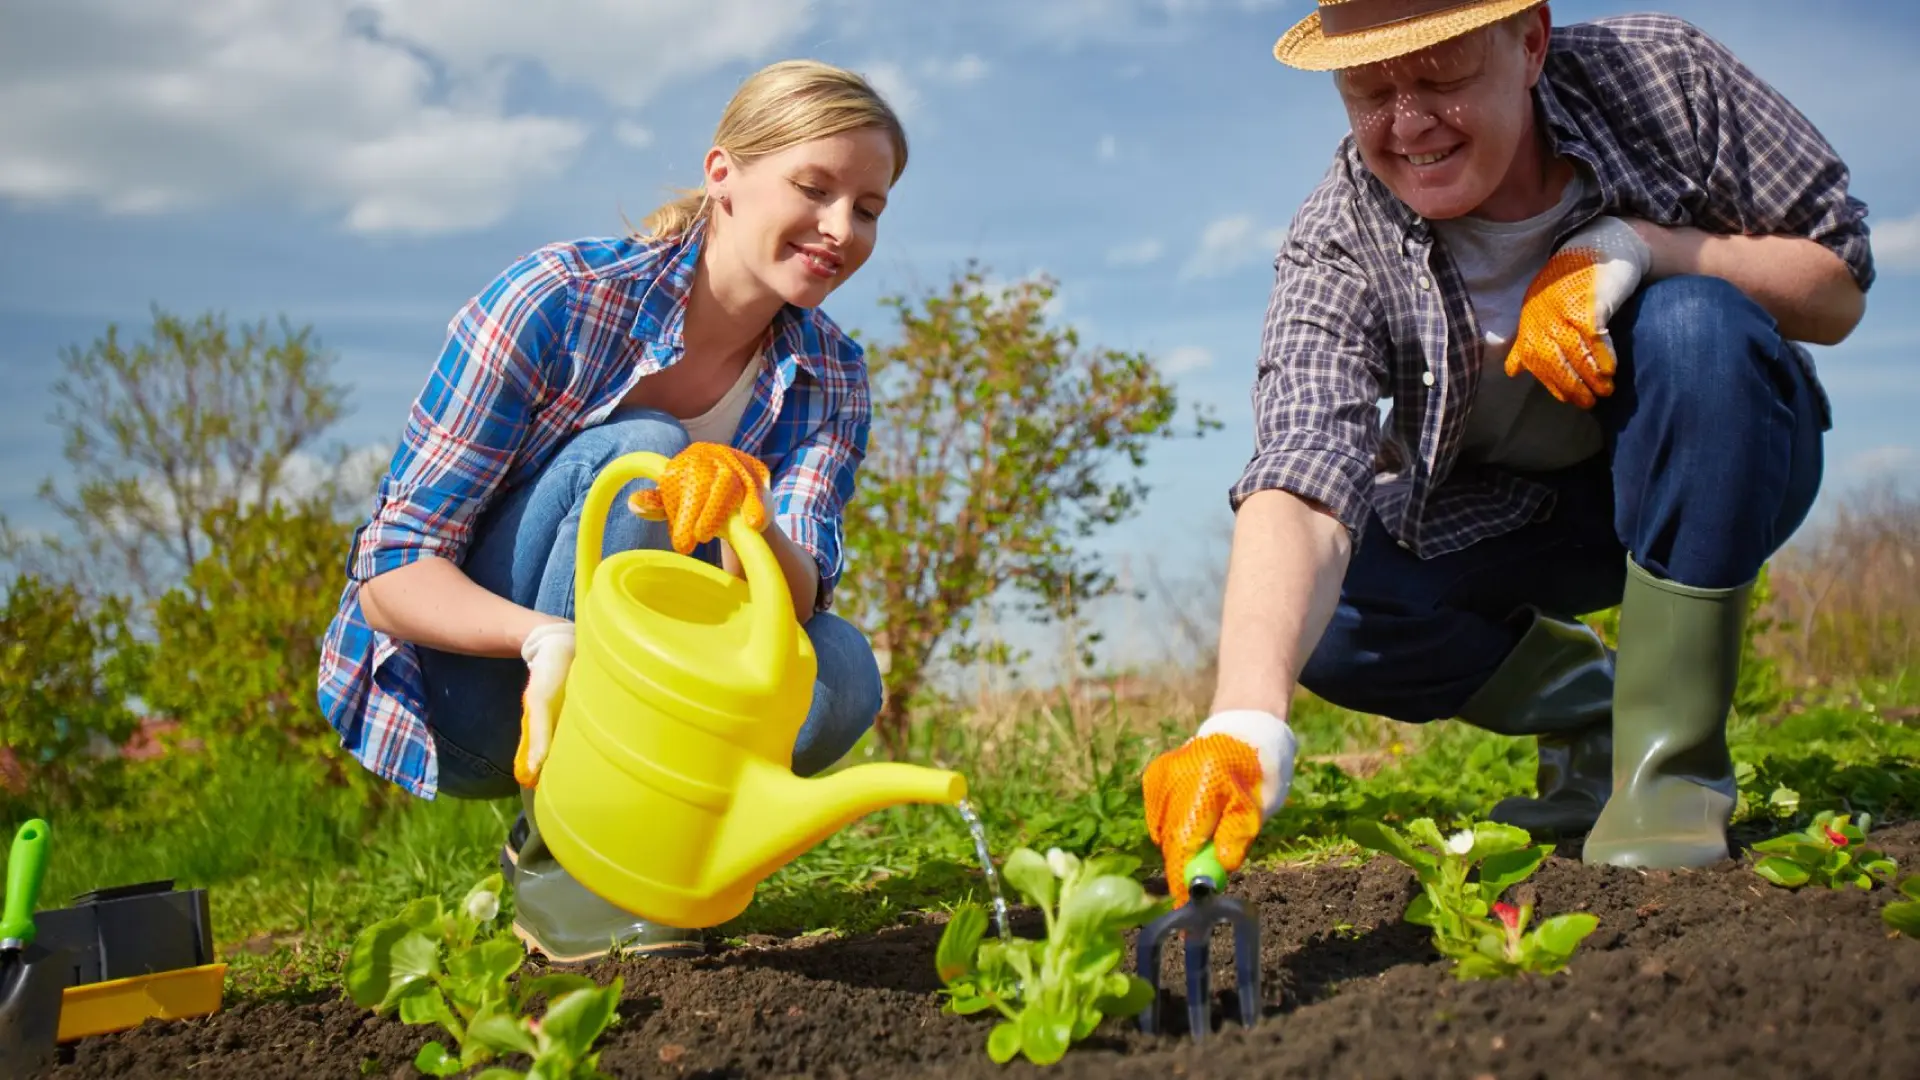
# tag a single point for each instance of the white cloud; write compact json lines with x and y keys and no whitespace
{"x":1138,"y":253}
{"x":891,"y":80}
{"x":1883,"y":462}
{"x":1109,"y":148}
{"x":388,"y":115}
{"x":1186,"y":358}
{"x":1229,"y":243}
{"x":1896,"y":243}
{"x":632,"y":134}
{"x":967,"y":68}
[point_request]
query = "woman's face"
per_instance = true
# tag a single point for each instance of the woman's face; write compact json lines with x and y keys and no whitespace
{"x":800,"y":222}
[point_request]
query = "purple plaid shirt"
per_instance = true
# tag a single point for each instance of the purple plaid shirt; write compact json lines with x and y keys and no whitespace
{"x":547,"y":350}
{"x":1676,"y":130}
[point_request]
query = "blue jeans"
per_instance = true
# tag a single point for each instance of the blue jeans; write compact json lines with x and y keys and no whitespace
{"x":1712,"y":458}
{"x":523,"y":549}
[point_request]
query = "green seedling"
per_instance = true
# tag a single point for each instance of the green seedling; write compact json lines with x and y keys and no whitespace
{"x":1052,"y":993}
{"x":1462,"y":878}
{"x":1827,"y":853}
{"x":1904,"y":915}
{"x":456,"y":969}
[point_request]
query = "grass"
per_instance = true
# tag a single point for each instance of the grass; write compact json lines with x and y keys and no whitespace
{"x":295,"y":868}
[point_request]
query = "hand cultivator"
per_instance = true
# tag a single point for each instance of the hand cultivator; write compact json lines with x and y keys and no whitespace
{"x":1205,"y":908}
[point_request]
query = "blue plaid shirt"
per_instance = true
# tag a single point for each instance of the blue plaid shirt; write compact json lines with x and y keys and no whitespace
{"x":1676,"y":131}
{"x":548,"y":349}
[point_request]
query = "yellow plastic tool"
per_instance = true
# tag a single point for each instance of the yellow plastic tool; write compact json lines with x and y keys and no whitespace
{"x":119,"y":1004}
{"x":668,"y":789}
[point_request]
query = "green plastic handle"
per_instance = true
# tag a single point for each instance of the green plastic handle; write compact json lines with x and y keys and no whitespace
{"x":1206,"y":864}
{"x":26,"y":865}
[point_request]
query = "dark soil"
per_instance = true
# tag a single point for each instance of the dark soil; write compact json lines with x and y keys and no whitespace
{"x":1704,"y":974}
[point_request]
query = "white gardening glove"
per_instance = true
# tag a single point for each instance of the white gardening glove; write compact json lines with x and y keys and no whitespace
{"x":1222,"y":784}
{"x":548,"y":651}
{"x":1562,"y":336}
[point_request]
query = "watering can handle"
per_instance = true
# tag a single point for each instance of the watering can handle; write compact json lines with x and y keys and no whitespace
{"x":773,"y":625}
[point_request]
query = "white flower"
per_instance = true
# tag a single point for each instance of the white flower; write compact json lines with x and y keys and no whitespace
{"x":483,"y":906}
{"x":1461,"y":842}
{"x":1059,"y":862}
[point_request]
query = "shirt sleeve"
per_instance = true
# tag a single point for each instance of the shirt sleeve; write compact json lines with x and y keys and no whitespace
{"x":814,"y":482}
{"x":469,"y":421}
{"x":1768,"y":169}
{"x":1320,"y":372}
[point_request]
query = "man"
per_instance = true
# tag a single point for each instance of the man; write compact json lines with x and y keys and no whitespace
{"x":1579,"y":260}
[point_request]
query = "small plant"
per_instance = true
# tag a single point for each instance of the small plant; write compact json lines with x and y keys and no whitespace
{"x":1051,"y":993}
{"x":1462,"y":878}
{"x":1904,"y":915}
{"x":455,"y":969}
{"x":1827,"y":853}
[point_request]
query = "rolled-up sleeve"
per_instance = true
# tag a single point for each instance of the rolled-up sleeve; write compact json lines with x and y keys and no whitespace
{"x":1321,"y":369}
{"x":1769,"y":170}
{"x":815,"y":481}
{"x":469,"y":421}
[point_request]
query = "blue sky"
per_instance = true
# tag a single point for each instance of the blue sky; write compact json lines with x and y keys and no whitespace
{"x":365,"y":167}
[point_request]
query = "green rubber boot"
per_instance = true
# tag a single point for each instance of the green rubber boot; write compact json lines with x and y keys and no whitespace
{"x":1556,"y":685}
{"x":1674,"y":790}
{"x":559,"y":918}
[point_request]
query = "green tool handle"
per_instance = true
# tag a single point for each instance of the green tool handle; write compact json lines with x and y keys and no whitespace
{"x":26,"y":865}
{"x":1205,"y":865}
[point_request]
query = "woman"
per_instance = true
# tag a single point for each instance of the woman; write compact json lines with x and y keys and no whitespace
{"x":699,"y":338}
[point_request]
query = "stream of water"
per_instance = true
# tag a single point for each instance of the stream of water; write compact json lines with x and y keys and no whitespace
{"x":979,"y":832}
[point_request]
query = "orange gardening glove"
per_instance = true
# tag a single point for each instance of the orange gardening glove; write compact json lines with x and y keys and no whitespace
{"x":699,"y":491}
{"x":1222,"y":784}
{"x":1562,"y":336}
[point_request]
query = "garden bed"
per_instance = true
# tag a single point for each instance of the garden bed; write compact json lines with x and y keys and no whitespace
{"x":1711,"y":973}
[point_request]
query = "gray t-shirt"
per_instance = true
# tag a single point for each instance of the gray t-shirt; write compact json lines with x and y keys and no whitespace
{"x":1514,"y":421}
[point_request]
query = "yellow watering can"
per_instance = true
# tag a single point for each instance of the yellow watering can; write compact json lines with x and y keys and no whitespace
{"x":668,"y":789}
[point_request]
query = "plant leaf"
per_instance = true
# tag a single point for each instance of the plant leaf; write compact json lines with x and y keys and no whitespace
{"x":576,"y":1019}
{"x":428,"y":1006}
{"x":1903,"y":916}
{"x":1027,"y":871}
{"x":1139,"y":994}
{"x":1492,"y":838}
{"x":959,"y":942}
{"x":553,"y":984}
{"x":1102,"y":904}
{"x":1506,"y":869}
{"x":1782,"y":872}
{"x":1562,"y":934}
{"x":1003,"y":1042}
{"x":1044,"y":1035}
{"x":434,"y":1060}
{"x":1378,"y":837}
{"x":502,"y":1034}
{"x":1911,"y":887}
{"x":369,"y":969}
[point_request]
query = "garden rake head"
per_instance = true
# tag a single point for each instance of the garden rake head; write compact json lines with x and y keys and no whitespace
{"x":1205,"y":908}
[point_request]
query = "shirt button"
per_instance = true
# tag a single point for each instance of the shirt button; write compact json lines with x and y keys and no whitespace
{"x":1404,"y":546}
{"x":1426,"y":282}
{"x":1427,"y":376}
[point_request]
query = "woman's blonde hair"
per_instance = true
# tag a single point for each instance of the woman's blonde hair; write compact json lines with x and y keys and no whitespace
{"x":779,"y":106}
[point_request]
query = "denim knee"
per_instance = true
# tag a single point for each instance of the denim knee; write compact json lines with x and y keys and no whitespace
{"x":1692,"y":333}
{"x":626,"y":431}
{"x":847,"y":694}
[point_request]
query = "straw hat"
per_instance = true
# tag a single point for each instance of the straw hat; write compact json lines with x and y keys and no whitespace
{"x":1349,"y":33}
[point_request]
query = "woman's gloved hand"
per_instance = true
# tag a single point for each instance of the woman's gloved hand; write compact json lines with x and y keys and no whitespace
{"x":1222,"y":784}
{"x":548,"y":651}
{"x":700,"y":489}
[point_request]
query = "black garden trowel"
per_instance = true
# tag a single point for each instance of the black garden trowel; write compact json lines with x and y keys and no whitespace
{"x":32,"y":977}
{"x":1205,"y":908}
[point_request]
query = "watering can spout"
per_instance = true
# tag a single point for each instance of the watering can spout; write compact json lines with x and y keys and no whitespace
{"x":777,"y":816}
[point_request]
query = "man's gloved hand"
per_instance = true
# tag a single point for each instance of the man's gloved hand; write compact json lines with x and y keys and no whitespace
{"x":548,"y":652}
{"x":1222,"y":784}
{"x":700,"y":489}
{"x":1562,"y":336}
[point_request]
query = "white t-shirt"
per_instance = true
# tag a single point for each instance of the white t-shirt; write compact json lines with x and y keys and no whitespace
{"x":719,"y":423}
{"x":1514,"y":421}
